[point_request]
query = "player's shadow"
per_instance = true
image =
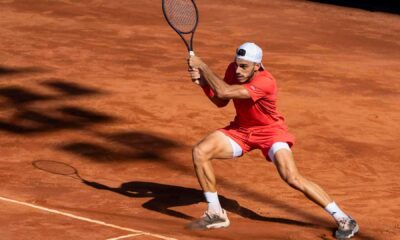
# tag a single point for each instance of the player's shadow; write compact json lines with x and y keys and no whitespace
{"x":388,"y":6}
{"x":164,"y":197}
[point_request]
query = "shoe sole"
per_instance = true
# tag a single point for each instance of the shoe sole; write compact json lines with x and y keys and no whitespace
{"x":219,"y":225}
{"x":355,"y":230}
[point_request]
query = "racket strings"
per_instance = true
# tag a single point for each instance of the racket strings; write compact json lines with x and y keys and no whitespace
{"x":181,"y":14}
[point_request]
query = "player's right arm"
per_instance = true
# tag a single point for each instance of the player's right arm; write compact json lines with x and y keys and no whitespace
{"x":195,"y":75}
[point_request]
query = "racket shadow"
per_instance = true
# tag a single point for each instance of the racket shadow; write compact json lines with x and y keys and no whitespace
{"x":58,"y":168}
{"x":164,"y":197}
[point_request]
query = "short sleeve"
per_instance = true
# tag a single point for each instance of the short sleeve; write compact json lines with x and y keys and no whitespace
{"x":230,"y":74}
{"x":261,"y":87}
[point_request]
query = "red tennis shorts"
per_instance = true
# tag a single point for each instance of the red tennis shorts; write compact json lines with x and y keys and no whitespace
{"x":259,"y":137}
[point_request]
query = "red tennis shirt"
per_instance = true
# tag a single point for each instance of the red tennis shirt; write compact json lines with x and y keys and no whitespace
{"x":259,"y":110}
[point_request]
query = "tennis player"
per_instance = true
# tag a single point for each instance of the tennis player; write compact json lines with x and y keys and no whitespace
{"x":257,"y":125}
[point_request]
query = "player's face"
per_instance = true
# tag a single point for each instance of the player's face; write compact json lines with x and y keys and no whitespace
{"x":245,"y":70}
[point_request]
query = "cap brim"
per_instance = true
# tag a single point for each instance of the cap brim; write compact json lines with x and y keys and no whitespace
{"x":251,"y":60}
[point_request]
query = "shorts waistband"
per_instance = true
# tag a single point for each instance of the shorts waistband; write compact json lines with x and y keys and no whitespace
{"x":278,"y":123}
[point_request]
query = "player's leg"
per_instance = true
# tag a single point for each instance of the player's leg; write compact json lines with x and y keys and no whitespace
{"x":288,"y":171}
{"x":215,"y":146}
{"x":281,"y":155}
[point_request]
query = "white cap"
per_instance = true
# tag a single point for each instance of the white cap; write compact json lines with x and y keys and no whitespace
{"x":251,"y":52}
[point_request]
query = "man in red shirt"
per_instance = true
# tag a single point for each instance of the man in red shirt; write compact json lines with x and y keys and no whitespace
{"x":257,"y":125}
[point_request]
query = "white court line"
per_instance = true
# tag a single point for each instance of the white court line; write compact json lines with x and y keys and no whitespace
{"x":87,"y":219}
{"x":126,"y":236}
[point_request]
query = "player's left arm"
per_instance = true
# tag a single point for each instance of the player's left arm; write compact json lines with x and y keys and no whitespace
{"x":221,"y":88}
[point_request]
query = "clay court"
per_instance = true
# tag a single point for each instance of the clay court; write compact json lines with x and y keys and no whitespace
{"x":103,"y":86}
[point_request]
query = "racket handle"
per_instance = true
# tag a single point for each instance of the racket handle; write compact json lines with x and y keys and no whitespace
{"x":197,"y":81}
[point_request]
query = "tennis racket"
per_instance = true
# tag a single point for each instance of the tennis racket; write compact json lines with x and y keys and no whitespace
{"x":183,"y":17}
{"x":59,"y":168}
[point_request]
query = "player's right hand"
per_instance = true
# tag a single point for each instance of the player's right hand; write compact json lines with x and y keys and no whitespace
{"x":195,"y":75}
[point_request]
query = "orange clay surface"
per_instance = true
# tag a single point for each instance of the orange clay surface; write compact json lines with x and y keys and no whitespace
{"x":102,"y":85}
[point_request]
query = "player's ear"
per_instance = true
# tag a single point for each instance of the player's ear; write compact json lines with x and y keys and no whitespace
{"x":257,"y":66}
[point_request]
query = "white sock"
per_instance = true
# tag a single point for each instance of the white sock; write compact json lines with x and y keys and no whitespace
{"x":213,"y":203}
{"x":336,"y":212}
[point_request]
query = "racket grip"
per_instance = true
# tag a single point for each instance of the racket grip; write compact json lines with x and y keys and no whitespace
{"x":197,"y":81}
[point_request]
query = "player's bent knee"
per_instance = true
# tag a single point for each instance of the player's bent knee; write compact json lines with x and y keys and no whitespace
{"x":199,"y":155}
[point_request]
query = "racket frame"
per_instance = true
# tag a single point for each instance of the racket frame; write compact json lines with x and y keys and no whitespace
{"x":189,"y":45}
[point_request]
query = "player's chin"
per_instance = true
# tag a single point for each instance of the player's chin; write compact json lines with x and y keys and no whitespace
{"x":242,"y":79}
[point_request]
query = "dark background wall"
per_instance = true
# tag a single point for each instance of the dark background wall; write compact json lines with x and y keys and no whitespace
{"x":389,"y":6}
